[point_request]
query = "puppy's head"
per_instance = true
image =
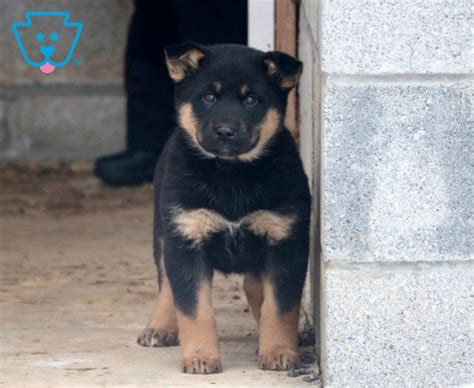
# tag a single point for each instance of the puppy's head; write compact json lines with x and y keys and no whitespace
{"x":231,"y":99}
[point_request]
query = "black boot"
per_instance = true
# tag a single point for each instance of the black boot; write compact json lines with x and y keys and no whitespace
{"x":127,"y":168}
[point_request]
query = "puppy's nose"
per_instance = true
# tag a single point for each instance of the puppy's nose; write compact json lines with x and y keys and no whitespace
{"x":224,"y":131}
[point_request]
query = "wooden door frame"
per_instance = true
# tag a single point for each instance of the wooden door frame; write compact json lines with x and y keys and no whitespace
{"x":286,"y":40}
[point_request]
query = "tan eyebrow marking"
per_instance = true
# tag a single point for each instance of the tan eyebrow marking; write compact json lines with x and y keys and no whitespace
{"x":244,"y":89}
{"x":217,"y":86}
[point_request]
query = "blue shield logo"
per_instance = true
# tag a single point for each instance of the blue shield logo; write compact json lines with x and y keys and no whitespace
{"x":45,"y":48}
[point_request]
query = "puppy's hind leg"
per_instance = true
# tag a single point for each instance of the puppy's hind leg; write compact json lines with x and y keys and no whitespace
{"x":162,"y":328}
{"x":253,"y":288}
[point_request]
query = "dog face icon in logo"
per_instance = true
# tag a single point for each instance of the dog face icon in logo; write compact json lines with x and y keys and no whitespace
{"x":47,"y":39}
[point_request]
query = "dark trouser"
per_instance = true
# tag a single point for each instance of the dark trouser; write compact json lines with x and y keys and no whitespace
{"x":155,"y":25}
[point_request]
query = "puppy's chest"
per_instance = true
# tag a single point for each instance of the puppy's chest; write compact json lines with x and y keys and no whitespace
{"x":233,"y":199}
{"x":199,"y":225}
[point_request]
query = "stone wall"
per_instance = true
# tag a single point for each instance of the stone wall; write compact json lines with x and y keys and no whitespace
{"x":77,"y":112}
{"x":387,"y":87}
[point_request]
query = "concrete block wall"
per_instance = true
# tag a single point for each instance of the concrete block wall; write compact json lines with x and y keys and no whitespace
{"x":391,"y":102}
{"x":78,"y":111}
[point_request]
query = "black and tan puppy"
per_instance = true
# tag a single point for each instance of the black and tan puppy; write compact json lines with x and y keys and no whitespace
{"x":231,"y":196}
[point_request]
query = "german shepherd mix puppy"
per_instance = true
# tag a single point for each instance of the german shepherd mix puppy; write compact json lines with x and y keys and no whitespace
{"x":231,"y":195}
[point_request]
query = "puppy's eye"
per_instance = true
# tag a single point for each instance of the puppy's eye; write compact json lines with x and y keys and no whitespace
{"x":209,"y":97}
{"x":250,"y":101}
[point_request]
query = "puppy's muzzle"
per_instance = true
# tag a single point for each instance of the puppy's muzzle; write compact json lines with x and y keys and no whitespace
{"x":224,"y":132}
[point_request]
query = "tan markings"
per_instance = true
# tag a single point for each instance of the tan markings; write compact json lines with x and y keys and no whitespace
{"x":198,"y":336}
{"x":267,"y":129}
{"x":271,"y":67}
{"x":197,"y":225}
{"x":194,"y":56}
{"x":189,"y":123}
{"x":286,"y":83}
{"x":244,"y":90}
{"x":278,"y":342}
{"x":254,"y":291}
{"x":269,"y":126}
{"x":162,"y":328}
{"x":217,"y":86}
{"x":187,"y":120}
{"x":179,"y":67}
{"x":276,"y":227}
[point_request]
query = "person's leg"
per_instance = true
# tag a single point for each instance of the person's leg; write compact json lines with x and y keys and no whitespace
{"x":150,"y":104}
{"x":150,"y":108}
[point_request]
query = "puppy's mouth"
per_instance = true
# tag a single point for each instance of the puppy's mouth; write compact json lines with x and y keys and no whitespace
{"x":225,"y":149}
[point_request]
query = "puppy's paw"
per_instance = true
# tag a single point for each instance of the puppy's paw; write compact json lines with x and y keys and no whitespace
{"x":158,"y":337}
{"x":201,"y":365}
{"x":278,"y":359}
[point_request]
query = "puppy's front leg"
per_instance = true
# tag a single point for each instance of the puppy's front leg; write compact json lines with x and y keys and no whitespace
{"x":191,"y":282}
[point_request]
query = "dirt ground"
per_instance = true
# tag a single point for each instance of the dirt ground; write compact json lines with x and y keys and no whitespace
{"x":78,"y":284}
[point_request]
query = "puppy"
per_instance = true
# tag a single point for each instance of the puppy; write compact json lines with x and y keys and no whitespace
{"x":231,"y":196}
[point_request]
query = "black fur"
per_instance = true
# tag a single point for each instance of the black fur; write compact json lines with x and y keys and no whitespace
{"x":273,"y":181}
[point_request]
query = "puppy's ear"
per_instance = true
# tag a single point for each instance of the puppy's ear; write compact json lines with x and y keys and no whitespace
{"x":182,"y":59}
{"x":283,"y":68}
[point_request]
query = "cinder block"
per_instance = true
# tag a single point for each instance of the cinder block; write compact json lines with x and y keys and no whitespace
{"x":66,"y":127}
{"x":398,"y":328}
{"x":397,"y":172}
{"x":377,"y":37}
{"x":98,"y":58}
